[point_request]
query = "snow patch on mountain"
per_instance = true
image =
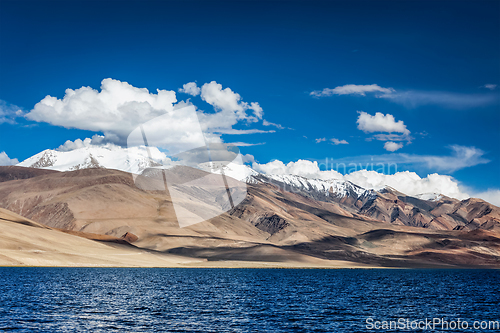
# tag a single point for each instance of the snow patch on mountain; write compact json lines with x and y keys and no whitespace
{"x":429,"y":196}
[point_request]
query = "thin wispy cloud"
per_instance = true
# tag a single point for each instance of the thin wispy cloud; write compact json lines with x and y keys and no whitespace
{"x":461,"y":157}
{"x":238,"y":131}
{"x":416,"y":98}
{"x":9,"y":112}
{"x":490,"y":86}
{"x":268,"y":123}
{"x":351,"y":89}
{"x":245,"y":144}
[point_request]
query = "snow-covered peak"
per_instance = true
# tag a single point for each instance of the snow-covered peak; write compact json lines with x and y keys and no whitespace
{"x":335,"y":187}
{"x":234,"y":170}
{"x":108,"y":156}
{"x":136,"y":159}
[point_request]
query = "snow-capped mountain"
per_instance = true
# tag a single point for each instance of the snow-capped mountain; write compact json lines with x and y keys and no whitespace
{"x":108,"y":157}
{"x":332,"y":187}
{"x":136,"y":159}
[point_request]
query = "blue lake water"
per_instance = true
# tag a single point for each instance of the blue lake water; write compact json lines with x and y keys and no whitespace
{"x":240,"y":300}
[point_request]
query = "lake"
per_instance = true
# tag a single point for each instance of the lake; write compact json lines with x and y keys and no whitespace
{"x":244,"y":300}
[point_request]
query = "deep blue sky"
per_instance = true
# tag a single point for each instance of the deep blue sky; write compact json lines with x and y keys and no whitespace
{"x":273,"y":53}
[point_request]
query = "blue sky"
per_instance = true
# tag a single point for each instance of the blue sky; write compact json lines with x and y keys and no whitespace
{"x":436,"y":64}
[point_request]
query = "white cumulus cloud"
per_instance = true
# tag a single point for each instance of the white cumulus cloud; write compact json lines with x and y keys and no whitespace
{"x":229,"y":102}
{"x":119,"y":108}
{"x":408,"y":182}
{"x":190,"y":88}
{"x":380,"y":123}
{"x":96,"y":140}
{"x":392,"y":146}
{"x":115,"y":110}
{"x":6,"y":160}
{"x":304,"y":168}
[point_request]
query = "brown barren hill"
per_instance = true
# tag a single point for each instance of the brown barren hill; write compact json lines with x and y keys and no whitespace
{"x":270,"y":227}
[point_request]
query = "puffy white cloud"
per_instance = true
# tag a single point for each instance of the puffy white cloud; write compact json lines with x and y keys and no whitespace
{"x":320,"y":140}
{"x":116,"y":110}
{"x":229,"y":102}
{"x":408,"y":182}
{"x":351,"y":89}
{"x":339,"y":142}
{"x":9,"y":112}
{"x":247,"y":158}
{"x":380,"y":123}
{"x":392,"y":146}
{"x":119,"y":108}
{"x":304,"y":168}
{"x":190,"y":88}
{"x":96,"y":140}
{"x":6,"y":160}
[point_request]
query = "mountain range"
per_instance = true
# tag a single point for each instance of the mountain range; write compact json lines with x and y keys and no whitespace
{"x":284,"y":219}
{"x":427,"y":210}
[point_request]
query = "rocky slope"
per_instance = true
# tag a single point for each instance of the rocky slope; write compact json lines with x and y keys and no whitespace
{"x":388,"y":205}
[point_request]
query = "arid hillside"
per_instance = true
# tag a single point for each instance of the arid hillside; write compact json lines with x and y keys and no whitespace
{"x":270,"y":226}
